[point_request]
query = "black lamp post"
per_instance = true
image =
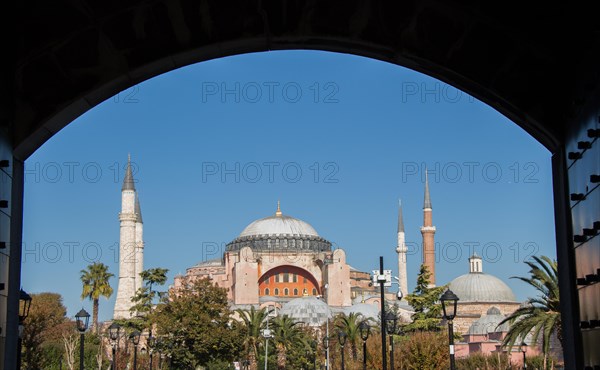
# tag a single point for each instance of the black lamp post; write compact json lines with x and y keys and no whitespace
{"x":449,"y":302}
{"x":523,"y":348}
{"x":391,"y":321}
{"x":113,"y":334}
{"x":151,"y":346}
{"x":342,"y":340}
{"x":365,"y":330}
{"x":24,"y":306}
{"x":82,"y":319}
{"x":135,"y":339}
{"x":326,"y":346}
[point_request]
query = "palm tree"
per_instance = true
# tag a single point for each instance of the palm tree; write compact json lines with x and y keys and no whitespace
{"x":286,"y":333}
{"x":253,"y":321}
{"x":542,"y":314}
{"x":95,"y":284}
{"x":350,"y":325}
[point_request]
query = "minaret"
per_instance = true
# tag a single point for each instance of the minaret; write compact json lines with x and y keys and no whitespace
{"x":401,"y":250}
{"x":428,"y":232}
{"x":127,"y":247}
{"x":139,"y":244}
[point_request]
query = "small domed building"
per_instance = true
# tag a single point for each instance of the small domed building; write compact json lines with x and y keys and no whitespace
{"x":477,"y":293}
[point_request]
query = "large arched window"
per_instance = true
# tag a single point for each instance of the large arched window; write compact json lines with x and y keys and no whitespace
{"x":267,"y":291}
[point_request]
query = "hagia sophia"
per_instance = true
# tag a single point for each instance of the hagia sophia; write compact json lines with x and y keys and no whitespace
{"x":282,"y":261}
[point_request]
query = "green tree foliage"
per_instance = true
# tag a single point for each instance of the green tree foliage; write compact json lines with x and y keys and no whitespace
{"x":253,"y":321}
{"x":287,"y":333}
{"x":196,"y":327}
{"x":542,"y":315}
{"x":96,"y":284}
{"x":425,"y":301}
{"x":349,"y":324}
{"x":146,"y":298}
{"x":425,"y":351}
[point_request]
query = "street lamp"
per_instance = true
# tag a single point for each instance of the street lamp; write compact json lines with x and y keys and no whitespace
{"x":113,"y":334}
{"x":342,"y":340}
{"x":24,"y":306}
{"x":523,"y":348}
{"x":151,"y":345}
{"x":82,"y":319}
{"x":449,"y":302}
{"x":365,"y":330}
{"x":391,"y":321}
{"x":135,"y":339}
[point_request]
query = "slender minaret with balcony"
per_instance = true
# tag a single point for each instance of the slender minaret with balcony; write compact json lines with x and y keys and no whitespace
{"x":401,"y":250}
{"x":131,"y":246}
{"x":428,"y":232}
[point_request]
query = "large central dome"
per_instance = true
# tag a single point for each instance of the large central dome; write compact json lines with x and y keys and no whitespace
{"x":279,"y":232}
{"x":279,"y":225}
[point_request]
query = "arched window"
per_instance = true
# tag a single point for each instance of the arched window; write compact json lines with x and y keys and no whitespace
{"x":276,"y":291}
{"x":267,"y":291}
{"x":286,"y":292}
{"x":314,"y":291}
{"x":295,"y":291}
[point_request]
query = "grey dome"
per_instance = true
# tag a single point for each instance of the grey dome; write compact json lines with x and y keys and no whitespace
{"x":480,"y":287}
{"x":279,"y":225}
{"x":488,"y":323}
{"x":310,"y":310}
{"x":366,"y":310}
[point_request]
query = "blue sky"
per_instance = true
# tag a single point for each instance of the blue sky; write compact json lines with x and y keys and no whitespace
{"x":337,"y":138}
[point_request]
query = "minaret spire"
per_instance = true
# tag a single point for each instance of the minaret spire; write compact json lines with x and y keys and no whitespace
{"x":128,"y":183}
{"x":401,"y":250}
{"x":427,"y":201}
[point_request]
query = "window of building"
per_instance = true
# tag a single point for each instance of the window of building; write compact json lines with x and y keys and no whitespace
{"x":276,"y":291}
{"x":295,"y":291}
{"x":267,"y":291}
{"x":286,"y":277}
{"x":314,"y":291}
{"x":294,"y":278}
{"x":286,"y":292}
{"x":267,"y":280}
{"x":305,"y":281}
{"x":277,"y":278}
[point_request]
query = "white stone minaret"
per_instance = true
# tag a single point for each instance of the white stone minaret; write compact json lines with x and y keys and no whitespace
{"x":139,"y":243}
{"x":401,"y":250}
{"x":130,"y":246}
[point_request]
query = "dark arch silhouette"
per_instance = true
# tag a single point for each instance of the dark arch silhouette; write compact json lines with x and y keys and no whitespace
{"x":538,"y":65}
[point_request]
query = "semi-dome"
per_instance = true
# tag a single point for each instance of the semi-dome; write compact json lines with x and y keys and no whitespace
{"x":309,"y":310}
{"x":479,"y":287}
{"x":280,"y":232}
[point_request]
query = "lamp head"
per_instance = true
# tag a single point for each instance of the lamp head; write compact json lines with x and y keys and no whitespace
{"x":135,"y":337}
{"x":449,"y":302}
{"x":82,"y":318}
{"x":365,"y":330}
{"x":24,"y":305}
{"x":341,"y":338}
{"x":113,"y":331}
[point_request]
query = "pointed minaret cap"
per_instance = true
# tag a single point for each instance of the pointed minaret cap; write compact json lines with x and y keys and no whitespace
{"x":138,"y":209}
{"x":278,"y":212}
{"x":128,"y":183}
{"x":427,"y":202}
{"x":400,"y":219}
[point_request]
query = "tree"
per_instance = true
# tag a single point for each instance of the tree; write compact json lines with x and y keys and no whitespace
{"x":286,"y":334}
{"x":196,"y":327}
{"x":146,"y":297}
{"x":44,"y":323}
{"x":425,"y":301}
{"x":350,"y":325}
{"x":542,"y":314}
{"x":252,"y":323}
{"x":95,"y":285}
